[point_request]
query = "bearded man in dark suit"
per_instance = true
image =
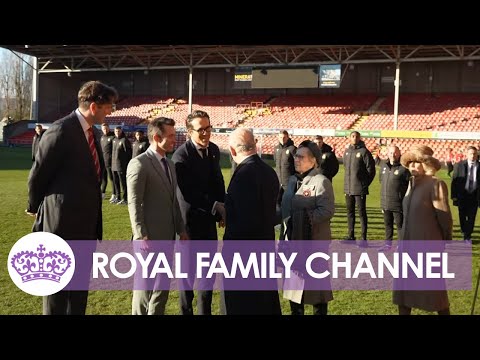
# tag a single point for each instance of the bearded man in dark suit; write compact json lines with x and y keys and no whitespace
{"x":201,"y":193}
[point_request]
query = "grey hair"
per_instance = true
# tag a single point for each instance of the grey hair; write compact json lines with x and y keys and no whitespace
{"x":242,"y":139}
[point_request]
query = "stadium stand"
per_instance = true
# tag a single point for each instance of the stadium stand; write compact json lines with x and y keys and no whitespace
{"x":442,"y":112}
{"x":25,"y":138}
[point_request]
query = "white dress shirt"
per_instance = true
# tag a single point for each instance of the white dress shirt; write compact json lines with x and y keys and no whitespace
{"x":473,"y":166}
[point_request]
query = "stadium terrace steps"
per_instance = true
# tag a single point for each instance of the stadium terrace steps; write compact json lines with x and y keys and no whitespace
{"x":442,"y":112}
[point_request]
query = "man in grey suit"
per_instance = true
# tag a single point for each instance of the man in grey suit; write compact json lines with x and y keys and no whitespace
{"x":153,"y":205}
{"x":64,"y":183}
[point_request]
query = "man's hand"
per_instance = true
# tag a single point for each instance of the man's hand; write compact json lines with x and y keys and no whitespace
{"x":220,"y":209}
{"x":30,"y":213}
{"x":144,"y":246}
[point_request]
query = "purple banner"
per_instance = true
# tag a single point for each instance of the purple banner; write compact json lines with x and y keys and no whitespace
{"x":270,"y":265}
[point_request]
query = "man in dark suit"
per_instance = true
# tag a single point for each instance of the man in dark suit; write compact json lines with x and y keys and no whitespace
{"x":250,"y":205}
{"x":201,"y":194}
{"x":465,"y":192}
{"x":106,"y":141}
{"x":36,"y":139}
{"x":121,"y":155}
{"x":64,"y":183}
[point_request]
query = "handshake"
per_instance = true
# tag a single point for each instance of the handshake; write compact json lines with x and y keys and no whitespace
{"x":219,"y":209}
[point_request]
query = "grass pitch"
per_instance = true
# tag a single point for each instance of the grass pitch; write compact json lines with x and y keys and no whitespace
{"x":15,"y":164}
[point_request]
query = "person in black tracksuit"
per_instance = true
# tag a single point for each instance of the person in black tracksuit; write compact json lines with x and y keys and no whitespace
{"x":328,"y":160}
{"x":359,"y":174}
{"x":140,"y":145}
{"x":394,"y":184}
{"x":284,"y":166}
{"x":106,"y":142}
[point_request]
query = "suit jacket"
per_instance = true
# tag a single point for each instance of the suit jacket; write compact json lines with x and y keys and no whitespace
{"x":250,"y":202}
{"x":152,"y":201}
{"x":459,"y":181}
{"x":63,"y":186}
{"x":200,"y":184}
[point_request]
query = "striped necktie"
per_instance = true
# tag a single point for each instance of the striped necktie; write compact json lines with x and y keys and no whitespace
{"x":93,"y":151}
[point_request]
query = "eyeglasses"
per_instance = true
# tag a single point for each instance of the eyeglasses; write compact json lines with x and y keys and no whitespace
{"x":206,"y":130}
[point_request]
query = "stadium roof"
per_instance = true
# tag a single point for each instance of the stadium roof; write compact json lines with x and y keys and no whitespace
{"x":66,"y":58}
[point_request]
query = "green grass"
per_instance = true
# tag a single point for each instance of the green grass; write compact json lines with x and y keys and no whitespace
{"x":14,"y":167}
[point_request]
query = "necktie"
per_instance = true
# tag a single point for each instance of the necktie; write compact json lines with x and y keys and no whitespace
{"x":470,"y":179}
{"x":93,"y":151}
{"x":204,"y":153}
{"x":165,"y":166}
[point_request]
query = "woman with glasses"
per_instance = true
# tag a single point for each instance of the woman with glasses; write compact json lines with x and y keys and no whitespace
{"x":308,"y":204}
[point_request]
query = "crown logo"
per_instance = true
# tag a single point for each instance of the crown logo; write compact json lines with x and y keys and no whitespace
{"x":41,"y":265}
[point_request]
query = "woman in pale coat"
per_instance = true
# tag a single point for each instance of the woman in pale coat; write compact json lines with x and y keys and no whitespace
{"x":309,"y":202}
{"x":427,"y":216}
